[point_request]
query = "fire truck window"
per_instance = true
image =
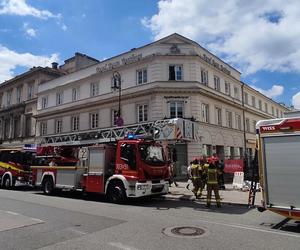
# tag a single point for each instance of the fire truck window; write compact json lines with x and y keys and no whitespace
{"x":128,"y":154}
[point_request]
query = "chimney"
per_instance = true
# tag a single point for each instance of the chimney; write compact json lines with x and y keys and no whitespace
{"x":54,"y":65}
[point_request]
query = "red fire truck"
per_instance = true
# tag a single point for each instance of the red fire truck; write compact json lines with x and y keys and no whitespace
{"x":15,"y":165}
{"x":279,"y":167}
{"x":121,"y":162}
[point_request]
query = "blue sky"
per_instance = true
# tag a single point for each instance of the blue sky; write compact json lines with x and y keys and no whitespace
{"x":261,"y":40}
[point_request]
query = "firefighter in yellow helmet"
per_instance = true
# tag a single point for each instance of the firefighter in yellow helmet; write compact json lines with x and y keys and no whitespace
{"x":212,"y":181}
{"x":196,"y":177}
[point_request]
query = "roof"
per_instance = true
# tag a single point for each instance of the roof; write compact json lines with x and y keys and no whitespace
{"x":31,"y":72}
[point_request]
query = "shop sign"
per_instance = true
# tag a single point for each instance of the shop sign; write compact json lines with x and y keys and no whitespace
{"x":232,"y":166}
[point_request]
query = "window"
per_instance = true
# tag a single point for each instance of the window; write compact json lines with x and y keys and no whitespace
{"x":75,"y":123}
{"x":218,"y":116}
{"x":246,"y":101}
{"x":217,"y":83}
{"x":253,"y":101}
{"x":58,"y":126}
{"x":207,"y":149}
{"x":259,"y":104}
{"x":205,"y":112}
{"x":204,"y":77}
{"x":19,"y":94}
{"x":281,"y":114}
{"x":175,"y":72}
{"x":94,"y":89}
{"x":59,"y":98}
{"x":44,"y":102}
{"x":238,"y":122}
{"x":94,"y":117}
{"x":273,"y":113}
{"x":247,"y":124}
{"x":128,"y":154}
{"x":266,"y":107}
{"x":9,"y":96}
{"x":176,"y":109}
{"x":229,"y":119}
{"x":1,"y":99}
{"x":254,"y":126}
{"x":114,"y":117}
{"x":227,"y":88}
{"x":236,"y":93}
{"x":43,"y":128}
{"x":30,"y":91}
{"x":277,"y":113}
{"x":75,"y":94}
{"x":28,"y":125}
{"x":17,"y":126}
{"x":142,"y":76}
{"x":142,"y":111}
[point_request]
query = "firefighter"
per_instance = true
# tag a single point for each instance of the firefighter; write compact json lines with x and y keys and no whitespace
{"x":204,"y":167}
{"x":212,"y":181}
{"x":195,"y":173}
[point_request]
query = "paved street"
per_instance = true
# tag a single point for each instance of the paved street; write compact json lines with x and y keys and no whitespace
{"x":30,"y":220}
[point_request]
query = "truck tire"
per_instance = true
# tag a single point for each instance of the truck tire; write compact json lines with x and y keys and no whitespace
{"x":48,"y":186}
{"x":116,"y":192}
{"x":6,"y":182}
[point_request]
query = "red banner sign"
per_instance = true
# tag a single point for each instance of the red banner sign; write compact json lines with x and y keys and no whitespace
{"x":232,"y":166}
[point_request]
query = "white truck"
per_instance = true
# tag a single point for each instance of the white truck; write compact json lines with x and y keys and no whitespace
{"x":278,"y":148}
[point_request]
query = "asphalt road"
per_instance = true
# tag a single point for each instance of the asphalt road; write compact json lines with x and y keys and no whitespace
{"x":31,"y":220}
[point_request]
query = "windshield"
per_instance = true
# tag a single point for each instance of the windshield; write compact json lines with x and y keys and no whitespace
{"x":152,"y":154}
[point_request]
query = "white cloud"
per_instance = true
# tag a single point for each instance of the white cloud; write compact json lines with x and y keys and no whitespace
{"x":259,"y":35}
{"x":29,"y":31}
{"x":21,"y":8}
{"x":10,"y":59}
{"x":273,"y":92}
{"x":296,"y":100}
{"x":64,"y":27}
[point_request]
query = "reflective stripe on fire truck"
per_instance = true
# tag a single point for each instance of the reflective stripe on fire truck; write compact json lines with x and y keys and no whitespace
{"x":10,"y":167}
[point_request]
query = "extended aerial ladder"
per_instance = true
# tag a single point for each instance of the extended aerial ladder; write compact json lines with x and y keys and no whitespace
{"x":168,"y":129}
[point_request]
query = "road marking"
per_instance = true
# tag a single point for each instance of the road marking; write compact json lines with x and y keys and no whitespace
{"x":10,"y":212}
{"x":121,"y":246}
{"x":250,"y":228}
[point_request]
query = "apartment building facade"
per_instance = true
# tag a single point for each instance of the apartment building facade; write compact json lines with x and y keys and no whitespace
{"x":172,"y":77}
{"x":18,"y":100}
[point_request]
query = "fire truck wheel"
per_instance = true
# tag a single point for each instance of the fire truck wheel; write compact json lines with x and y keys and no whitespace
{"x":48,"y":186}
{"x":6,"y":183}
{"x":116,"y":192}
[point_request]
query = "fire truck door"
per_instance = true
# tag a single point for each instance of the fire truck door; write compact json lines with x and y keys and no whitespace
{"x":95,"y":175}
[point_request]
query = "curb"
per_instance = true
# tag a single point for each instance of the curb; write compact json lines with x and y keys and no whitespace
{"x":191,"y":198}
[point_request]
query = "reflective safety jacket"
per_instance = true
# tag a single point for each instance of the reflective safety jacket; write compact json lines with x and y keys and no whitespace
{"x":212,"y":176}
{"x":196,"y":171}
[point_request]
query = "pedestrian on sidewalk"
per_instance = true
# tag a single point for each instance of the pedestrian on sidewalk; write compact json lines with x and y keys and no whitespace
{"x":212,"y":181}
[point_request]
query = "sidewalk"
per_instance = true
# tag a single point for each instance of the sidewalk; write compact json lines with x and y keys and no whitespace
{"x":229,"y":195}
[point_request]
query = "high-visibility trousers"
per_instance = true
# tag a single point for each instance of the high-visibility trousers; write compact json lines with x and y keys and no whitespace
{"x":215,"y":188}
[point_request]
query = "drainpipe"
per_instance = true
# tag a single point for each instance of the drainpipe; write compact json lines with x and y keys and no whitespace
{"x":244,"y":120}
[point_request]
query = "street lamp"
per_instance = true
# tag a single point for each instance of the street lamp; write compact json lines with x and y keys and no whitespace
{"x":117,"y":85}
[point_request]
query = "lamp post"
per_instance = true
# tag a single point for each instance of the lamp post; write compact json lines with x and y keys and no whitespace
{"x":117,"y":85}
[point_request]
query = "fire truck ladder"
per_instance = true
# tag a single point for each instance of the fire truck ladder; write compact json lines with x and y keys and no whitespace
{"x":155,"y":130}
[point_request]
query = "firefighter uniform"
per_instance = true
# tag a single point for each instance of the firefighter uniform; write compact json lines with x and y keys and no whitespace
{"x":204,"y":167}
{"x":196,"y":177}
{"x":212,"y":182}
